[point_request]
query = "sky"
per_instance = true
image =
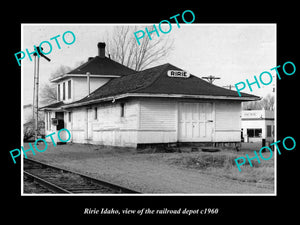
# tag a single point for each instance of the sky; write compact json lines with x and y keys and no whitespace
{"x":233,"y":52}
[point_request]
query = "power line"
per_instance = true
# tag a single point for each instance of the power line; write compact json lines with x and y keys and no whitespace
{"x":211,"y":78}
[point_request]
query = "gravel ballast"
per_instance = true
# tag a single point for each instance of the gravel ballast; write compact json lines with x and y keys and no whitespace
{"x":148,"y":173}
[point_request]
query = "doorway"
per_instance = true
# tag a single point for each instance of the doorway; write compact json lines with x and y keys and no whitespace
{"x":195,"y":122}
{"x":60,"y":119}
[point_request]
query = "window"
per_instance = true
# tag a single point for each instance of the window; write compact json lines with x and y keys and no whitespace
{"x":58,"y":92}
{"x":257,"y":132}
{"x":254,"y":132}
{"x":70,"y":117}
{"x":269,"y":130}
{"x":96,"y":113}
{"x":69,"y":89}
{"x":122,"y":109}
{"x":64,"y":91}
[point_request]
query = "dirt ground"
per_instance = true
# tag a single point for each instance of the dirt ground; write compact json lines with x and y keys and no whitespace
{"x":148,"y":173}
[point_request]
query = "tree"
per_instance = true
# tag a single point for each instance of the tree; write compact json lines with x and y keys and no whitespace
{"x":62,"y":69}
{"x":48,"y":91}
{"x":48,"y":94}
{"x":266,"y":103}
{"x":123,"y":47}
{"x":28,"y":129}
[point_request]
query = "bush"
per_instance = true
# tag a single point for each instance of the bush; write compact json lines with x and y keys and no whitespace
{"x":207,"y":160}
{"x":223,"y":164}
{"x":28,"y":130}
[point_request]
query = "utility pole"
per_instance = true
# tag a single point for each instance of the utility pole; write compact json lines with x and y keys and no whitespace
{"x":35,"y":105}
{"x":228,"y":86}
{"x":211,"y":78}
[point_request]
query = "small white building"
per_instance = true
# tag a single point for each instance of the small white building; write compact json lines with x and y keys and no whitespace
{"x":103,"y":102}
{"x":258,"y":125}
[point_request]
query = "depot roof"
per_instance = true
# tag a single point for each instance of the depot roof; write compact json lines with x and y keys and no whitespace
{"x":155,"y":82}
{"x":98,"y":67}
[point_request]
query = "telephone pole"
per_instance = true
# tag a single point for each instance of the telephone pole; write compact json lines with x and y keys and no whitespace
{"x":228,"y":86}
{"x":211,"y":78}
{"x":35,"y":105}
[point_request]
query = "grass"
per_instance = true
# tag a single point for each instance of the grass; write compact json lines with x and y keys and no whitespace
{"x":220,"y":164}
{"x":223,"y":164}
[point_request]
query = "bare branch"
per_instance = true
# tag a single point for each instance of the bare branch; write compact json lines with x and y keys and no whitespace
{"x":123,"y":47}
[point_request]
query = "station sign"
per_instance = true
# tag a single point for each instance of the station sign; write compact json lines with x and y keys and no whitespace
{"x":178,"y":73}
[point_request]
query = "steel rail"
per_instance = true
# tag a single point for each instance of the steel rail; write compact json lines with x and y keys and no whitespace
{"x":93,"y":180}
{"x":47,"y":184}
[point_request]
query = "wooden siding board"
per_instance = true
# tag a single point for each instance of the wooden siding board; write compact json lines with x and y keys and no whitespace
{"x":228,"y":116}
{"x":109,"y":128}
{"x":158,"y":115}
{"x":228,"y":121}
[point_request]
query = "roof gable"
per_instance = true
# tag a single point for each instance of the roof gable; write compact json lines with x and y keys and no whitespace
{"x":97,"y":66}
{"x":102,"y":66}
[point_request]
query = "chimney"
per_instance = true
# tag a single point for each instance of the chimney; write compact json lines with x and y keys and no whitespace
{"x":101,"y":49}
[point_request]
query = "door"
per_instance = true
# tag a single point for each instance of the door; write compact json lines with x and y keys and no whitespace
{"x":60,"y":117}
{"x":195,"y":122}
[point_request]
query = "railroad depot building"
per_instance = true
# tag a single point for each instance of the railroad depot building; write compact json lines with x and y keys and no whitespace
{"x":103,"y":102}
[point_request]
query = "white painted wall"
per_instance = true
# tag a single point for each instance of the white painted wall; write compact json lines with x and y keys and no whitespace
{"x":227,"y":121}
{"x":257,"y":124}
{"x":258,"y":119}
{"x":158,"y":115}
{"x":109,"y":128}
{"x":77,"y":125}
{"x":146,"y":120}
{"x":158,"y":121}
{"x":49,"y":128}
{"x":79,"y":87}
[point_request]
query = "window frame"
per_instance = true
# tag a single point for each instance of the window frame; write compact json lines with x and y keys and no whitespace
{"x":58,"y":92}
{"x":254,"y":132}
{"x":64,"y":90}
{"x":70,"y":117}
{"x":69,"y":89}
{"x":95,"y":113}
{"x":269,"y":131}
{"x":122,"y":111}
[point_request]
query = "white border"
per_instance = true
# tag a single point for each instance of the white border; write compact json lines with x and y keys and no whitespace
{"x":161,"y":194}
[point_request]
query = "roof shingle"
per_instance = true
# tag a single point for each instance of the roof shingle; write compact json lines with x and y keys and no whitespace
{"x":102,"y":66}
{"x":156,"y":81}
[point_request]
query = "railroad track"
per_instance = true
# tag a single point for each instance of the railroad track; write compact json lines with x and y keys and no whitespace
{"x":59,"y":180}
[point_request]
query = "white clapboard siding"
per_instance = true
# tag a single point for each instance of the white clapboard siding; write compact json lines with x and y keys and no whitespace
{"x":80,"y":87}
{"x":228,"y":116}
{"x":158,"y":115}
{"x":109,"y":116}
{"x":78,"y":119}
{"x":228,"y":122}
